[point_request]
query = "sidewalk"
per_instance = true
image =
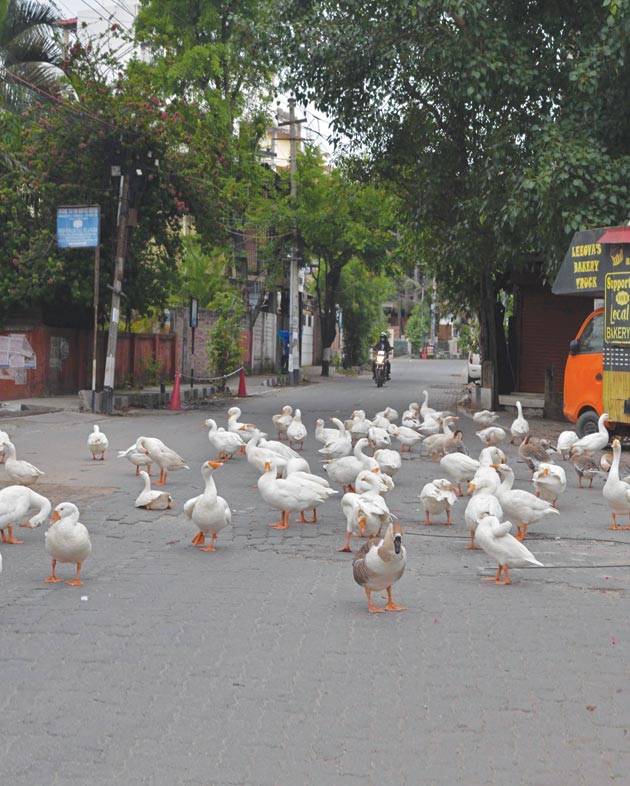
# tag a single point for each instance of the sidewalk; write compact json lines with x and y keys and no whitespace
{"x":154,"y":398}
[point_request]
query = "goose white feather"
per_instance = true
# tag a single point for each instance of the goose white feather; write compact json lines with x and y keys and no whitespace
{"x":495,"y":539}
{"x":67,"y":541}
{"x":97,"y":443}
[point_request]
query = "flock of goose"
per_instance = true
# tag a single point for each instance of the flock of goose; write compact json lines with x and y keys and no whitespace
{"x":359,"y":456}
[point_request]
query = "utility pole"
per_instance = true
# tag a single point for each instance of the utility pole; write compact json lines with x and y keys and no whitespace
{"x":294,"y":295}
{"x":114,"y":318}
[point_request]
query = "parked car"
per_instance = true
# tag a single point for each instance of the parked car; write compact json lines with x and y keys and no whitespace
{"x":474,"y":366}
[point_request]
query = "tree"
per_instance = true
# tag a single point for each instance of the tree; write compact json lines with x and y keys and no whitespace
{"x":478,"y":112}
{"x":209,"y":49}
{"x":340,"y":219}
{"x":224,"y":344}
{"x":30,"y":57}
{"x":360,"y":297}
{"x":64,"y":155}
{"x":418,"y":326}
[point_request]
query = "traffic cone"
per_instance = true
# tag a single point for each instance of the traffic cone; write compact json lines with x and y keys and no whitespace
{"x":242,"y":391}
{"x":175,"y":402}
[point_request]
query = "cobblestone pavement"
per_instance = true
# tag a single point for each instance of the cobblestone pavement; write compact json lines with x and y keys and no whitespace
{"x":259,"y":664}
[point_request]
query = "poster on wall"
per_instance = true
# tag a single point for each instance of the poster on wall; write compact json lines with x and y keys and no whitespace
{"x":16,"y":352}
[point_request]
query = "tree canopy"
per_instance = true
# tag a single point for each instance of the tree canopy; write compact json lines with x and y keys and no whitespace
{"x":501,"y":124}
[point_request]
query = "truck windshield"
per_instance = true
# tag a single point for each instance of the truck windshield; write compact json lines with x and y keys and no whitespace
{"x":592,"y":338}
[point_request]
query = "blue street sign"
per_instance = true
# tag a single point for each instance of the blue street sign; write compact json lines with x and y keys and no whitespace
{"x":77,"y":226}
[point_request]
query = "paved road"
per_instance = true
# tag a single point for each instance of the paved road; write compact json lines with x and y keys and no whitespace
{"x":260,"y":665}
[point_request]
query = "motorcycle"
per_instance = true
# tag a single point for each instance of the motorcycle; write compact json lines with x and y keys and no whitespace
{"x":380,"y":368}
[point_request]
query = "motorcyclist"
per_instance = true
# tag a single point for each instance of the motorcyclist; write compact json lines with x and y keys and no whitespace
{"x":382,"y":345}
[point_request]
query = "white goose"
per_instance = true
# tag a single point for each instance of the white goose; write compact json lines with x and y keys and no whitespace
{"x":523,"y":506}
{"x":460,"y":468}
{"x":495,"y":539}
{"x":411,"y":417}
{"x":590,"y":443}
{"x":97,"y":443}
{"x":67,"y":540}
{"x":244,"y":430}
{"x":483,"y":501}
{"x":338,"y":442}
{"x":226,"y":443}
{"x":565,"y":442}
{"x":425,"y":410}
{"x":616,"y":491}
{"x":550,"y":482}
{"x":296,"y":432}
{"x":390,"y":413}
{"x":258,"y":456}
{"x":485,"y":417}
{"x":366,"y":511}
{"x":4,"y":437}
{"x":208,"y":511}
{"x":407,"y":437}
{"x":21,"y":472}
{"x":323,"y":434}
{"x":491,"y":435}
{"x":150,"y":498}
{"x":278,"y":447}
{"x":435,"y":443}
{"x":292,"y":494}
{"x":388,"y":460}
{"x":379,"y":437}
{"x":379,"y":565}
{"x":16,"y":502}
{"x":159,"y":453}
{"x":282,"y":420}
{"x":360,"y":425}
{"x":520,"y":427}
{"x":344,"y":470}
{"x":436,"y":497}
{"x":137,"y":457}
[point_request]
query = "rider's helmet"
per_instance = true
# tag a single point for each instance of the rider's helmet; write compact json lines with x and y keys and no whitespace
{"x":383,"y":335}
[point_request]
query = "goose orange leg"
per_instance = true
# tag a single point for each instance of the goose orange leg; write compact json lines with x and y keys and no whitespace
{"x":76,"y":581}
{"x":304,"y":520}
{"x":346,"y":545}
{"x":162,"y":480}
{"x":471,"y":545}
{"x":372,"y":607}
{"x":284,"y":522}
{"x":199,"y":539}
{"x":427,"y":516}
{"x":448,"y":517}
{"x":52,"y":579}
{"x":521,"y":531}
{"x":210,"y":547}
{"x":391,"y":606}
{"x":613,"y":526}
{"x":10,"y":539}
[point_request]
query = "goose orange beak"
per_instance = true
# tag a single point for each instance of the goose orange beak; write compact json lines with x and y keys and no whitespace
{"x":55,"y":517}
{"x":214,"y":464}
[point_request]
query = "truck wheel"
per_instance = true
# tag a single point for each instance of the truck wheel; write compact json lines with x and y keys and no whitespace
{"x":587,"y":423}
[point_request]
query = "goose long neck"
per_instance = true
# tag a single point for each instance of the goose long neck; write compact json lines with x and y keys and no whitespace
{"x":211,"y":488}
{"x":614,"y":467}
{"x":508,"y":480}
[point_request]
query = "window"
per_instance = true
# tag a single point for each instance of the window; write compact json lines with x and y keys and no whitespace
{"x":592,"y":338}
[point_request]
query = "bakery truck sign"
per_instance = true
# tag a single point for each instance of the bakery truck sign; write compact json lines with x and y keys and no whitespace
{"x":617,"y":308}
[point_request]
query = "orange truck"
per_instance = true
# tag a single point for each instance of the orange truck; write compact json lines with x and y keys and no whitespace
{"x":597,"y":372}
